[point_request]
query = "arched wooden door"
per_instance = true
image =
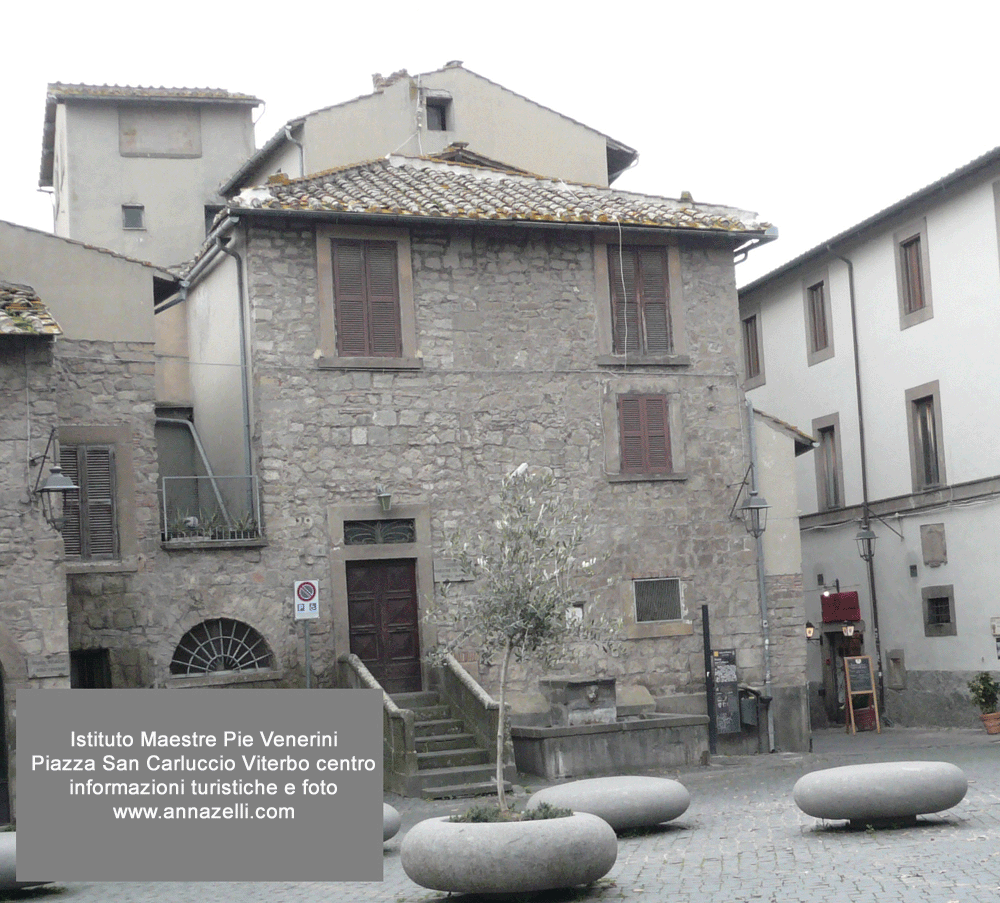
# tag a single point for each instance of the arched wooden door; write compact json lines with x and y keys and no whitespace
{"x":385,"y":621}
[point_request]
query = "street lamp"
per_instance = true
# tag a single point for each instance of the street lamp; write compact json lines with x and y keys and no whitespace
{"x":53,"y":493}
{"x":754,"y":514}
{"x":865,"y":539}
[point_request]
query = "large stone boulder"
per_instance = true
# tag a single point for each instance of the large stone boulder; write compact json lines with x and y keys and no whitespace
{"x":880,"y":792}
{"x":508,"y":857}
{"x":623,"y":801}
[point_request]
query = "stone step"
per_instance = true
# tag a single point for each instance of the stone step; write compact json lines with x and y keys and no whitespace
{"x":431,"y":713}
{"x":437,"y":742}
{"x":461,"y":791}
{"x":438,"y":727}
{"x":457,"y":776}
{"x":416,"y":700}
{"x":452,"y":758}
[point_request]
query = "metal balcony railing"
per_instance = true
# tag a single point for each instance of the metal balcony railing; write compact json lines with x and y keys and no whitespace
{"x":210,"y":509}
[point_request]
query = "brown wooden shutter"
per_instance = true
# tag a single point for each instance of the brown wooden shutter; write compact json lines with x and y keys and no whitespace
{"x":624,"y":304}
{"x":655,"y":301}
{"x":657,"y":430}
{"x":630,"y":427}
{"x":383,"y":299}
{"x":349,"y":295}
{"x":644,"y":428}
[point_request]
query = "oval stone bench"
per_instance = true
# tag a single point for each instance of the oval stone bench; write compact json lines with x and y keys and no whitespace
{"x":880,"y":793}
{"x":508,"y":857}
{"x":623,"y":801}
{"x":390,"y":822}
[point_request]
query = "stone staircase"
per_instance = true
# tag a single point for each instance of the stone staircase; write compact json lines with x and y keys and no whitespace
{"x":452,"y":763}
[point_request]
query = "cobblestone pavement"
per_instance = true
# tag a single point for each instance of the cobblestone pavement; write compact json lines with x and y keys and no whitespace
{"x":742,"y":840}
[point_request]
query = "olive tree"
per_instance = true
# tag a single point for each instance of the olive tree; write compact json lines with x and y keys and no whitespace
{"x":528,"y":570}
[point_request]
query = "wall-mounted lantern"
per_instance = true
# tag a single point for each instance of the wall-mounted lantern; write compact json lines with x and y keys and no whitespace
{"x":384,"y":499}
{"x":53,"y":491}
{"x":754,"y":514}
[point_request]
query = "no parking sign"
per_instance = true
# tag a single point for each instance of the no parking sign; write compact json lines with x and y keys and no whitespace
{"x":306,"y":599}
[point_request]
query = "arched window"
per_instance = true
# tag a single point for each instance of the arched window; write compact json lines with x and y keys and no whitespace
{"x":220,"y":644}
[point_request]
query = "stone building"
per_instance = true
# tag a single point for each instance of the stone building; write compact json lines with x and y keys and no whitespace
{"x":77,"y":390}
{"x":425,"y":327}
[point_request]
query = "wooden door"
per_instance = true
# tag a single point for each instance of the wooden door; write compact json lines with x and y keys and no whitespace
{"x":384,"y":621}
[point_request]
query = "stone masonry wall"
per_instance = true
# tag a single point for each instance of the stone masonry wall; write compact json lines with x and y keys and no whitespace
{"x":506,"y":327}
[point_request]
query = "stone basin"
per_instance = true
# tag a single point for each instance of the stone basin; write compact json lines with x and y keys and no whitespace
{"x":880,"y":793}
{"x":623,"y":801}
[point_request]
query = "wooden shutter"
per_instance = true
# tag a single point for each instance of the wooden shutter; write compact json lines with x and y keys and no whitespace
{"x":383,"y":299}
{"x":349,"y":294}
{"x":624,"y":304}
{"x":71,"y":531}
{"x":91,"y":528}
{"x":366,"y":292}
{"x":644,"y":428}
{"x":654,"y":299}
{"x":640,"y":300}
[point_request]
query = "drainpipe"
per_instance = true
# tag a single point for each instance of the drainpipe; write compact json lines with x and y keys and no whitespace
{"x":189,"y":426}
{"x":765,"y":627}
{"x":865,"y":515}
{"x":244,"y":383}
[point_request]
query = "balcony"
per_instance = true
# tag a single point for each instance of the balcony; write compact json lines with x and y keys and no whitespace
{"x":210,"y":512}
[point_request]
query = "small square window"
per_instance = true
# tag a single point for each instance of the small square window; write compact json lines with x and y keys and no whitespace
{"x":658,"y":600}
{"x":939,"y":610}
{"x":90,"y":669}
{"x":133,"y":216}
{"x":438,"y":114}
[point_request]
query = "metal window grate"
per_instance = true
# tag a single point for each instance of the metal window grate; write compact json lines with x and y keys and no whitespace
{"x":379,"y":532}
{"x":220,"y":644}
{"x":658,"y":600}
{"x":938,"y":611}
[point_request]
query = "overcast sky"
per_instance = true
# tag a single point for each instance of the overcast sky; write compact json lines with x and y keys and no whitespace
{"x":814,"y":115}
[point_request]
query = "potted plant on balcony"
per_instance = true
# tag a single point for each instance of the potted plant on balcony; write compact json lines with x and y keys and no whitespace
{"x":985,"y":692}
{"x":527,"y":571}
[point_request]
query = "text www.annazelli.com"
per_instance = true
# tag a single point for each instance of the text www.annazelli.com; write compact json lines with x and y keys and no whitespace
{"x":241,"y":811}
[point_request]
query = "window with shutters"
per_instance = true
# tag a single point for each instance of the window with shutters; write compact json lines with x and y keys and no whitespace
{"x":366,"y":296}
{"x":913,"y":275}
{"x":639,"y":314}
{"x":90,"y":532}
{"x":367,"y":315}
{"x":640,"y":300}
{"x":644,"y":434}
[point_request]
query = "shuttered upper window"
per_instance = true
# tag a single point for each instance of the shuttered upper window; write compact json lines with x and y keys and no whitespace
{"x":91,"y":528}
{"x":640,"y":300}
{"x":366,"y":296}
{"x":644,"y":433}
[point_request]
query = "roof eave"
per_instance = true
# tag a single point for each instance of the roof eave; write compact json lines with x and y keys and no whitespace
{"x":854,"y":234}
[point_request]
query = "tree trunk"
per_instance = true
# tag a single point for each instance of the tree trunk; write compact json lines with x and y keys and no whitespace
{"x":502,"y":726}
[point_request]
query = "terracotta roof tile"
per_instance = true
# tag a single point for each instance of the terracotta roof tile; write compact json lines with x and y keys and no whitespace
{"x":423,"y":187}
{"x":61,"y":90}
{"x":23,"y":313}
